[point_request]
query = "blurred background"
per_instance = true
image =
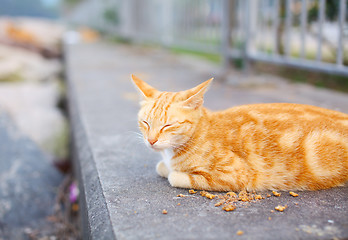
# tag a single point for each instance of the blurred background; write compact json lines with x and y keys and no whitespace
{"x":310,"y":34}
{"x":301,"y":40}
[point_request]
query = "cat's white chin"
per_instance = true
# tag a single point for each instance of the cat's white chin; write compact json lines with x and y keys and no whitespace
{"x":157,"y":147}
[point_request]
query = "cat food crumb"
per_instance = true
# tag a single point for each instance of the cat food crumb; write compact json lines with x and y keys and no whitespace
{"x":240,"y":232}
{"x":277,"y":194}
{"x":229,"y":208}
{"x":280,"y":208}
{"x":179,"y":204}
{"x":268,"y":195}
{"x":258,"y":197}
{"x":191,"y":191}
{"x":219,"y":203}
{"x":231,"y":194}
{"x":164,"y":211}
{"x":272,"y":211}
{"x":207,"y":195}
{"x":180,"y":195}
{"x":269,"y":218}
{"x":293,"y":194}
{"x":203,"y":193}
{"x":210,"y":196}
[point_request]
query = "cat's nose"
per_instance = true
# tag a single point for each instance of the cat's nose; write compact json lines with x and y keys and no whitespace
{"x":152,"y":141}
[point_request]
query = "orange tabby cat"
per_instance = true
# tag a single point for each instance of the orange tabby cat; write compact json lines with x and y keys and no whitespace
{"x":253,"y":147}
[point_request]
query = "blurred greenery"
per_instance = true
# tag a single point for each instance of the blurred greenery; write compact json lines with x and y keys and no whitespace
{"x":215,"y":58}
{"x":12,"y":77}
{"x":72,"y":2}
{"x":111,"y":16}
{"x":318,"y":79}
{"x":331,"y":11}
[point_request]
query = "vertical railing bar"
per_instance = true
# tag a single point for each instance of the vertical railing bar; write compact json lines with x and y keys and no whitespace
{"x":303,"y":27}
{"x":192,"y":25}
{"x":182,"y":27}
{"x":193,"y":21}
{"x":246,"y":36}
{"x":255,"y":33}
{"x":320,"y":28}
{"x":210,"y":29}
{"x":268,"y":29}
{"x":198,"y":34}
{"x":264,"y":27}
{"x":288,"y":26}
{"x":187,"y":20}
{"x":225,"y":32}
{"x":275,"y":26}
{"x":340,"y":49}
{"x":207,"y":32}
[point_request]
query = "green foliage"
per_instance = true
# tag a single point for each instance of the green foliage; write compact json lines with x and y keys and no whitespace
{"x":111,"y":16}
{"x":215,"y":58}
{"x":318,"y":79}
{"x":71,"y":2}
{"x":12,"y":77}
{"x":331,"y":11}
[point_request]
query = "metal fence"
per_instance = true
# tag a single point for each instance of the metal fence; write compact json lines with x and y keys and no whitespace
{"x":310,"y":34}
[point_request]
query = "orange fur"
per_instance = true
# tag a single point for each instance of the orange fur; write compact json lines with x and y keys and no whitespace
{"x":280,"y":146}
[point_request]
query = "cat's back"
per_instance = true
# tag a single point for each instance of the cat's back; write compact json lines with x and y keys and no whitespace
{"x":307,"y":144}
{"x":283,"y":116}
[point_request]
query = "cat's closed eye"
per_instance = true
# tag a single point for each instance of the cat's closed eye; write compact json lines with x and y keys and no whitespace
{"x":166,"y":126}
{"x":144,"y":123}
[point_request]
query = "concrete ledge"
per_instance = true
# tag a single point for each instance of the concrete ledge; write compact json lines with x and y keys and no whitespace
{"x":121,"y":195}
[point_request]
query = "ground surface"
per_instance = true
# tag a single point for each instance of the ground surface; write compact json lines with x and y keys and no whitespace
{"x":28,"y":184}
{"x":124,"y":195}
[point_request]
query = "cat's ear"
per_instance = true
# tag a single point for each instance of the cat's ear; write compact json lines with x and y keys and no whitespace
{"x":194,"y":97}
{"x":145,"y":89}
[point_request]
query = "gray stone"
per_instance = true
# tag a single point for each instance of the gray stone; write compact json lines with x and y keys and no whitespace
{"x":123,"y":197}
{"x":28,"y":183}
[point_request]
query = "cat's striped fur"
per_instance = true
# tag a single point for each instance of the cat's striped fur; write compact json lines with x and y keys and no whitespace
{"x":254,"y":147}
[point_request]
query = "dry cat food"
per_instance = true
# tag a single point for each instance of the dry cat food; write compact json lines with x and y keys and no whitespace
{"x":280,"y":208}
{"x":293,"y":194}
{"x":228,"y":200}
{"x":240,"y":232}
{"x":228,"y":208}
{"x":207,"y":195}
{"x":164,"y":211}
{"x":277,"y":194}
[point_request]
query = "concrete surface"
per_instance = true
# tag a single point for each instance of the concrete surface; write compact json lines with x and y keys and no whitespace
{"x":123,"y":197}
{"x":28,"y":184}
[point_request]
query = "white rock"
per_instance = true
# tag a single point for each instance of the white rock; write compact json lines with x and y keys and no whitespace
{"x":26,"y":65}
{"x":33,"y":108}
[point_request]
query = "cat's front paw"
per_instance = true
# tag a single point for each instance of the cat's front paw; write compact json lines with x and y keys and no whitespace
{"x":162,"y":169}
{"x":179,"y":179}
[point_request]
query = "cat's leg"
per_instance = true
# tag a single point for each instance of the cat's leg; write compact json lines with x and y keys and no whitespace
{"x":186,"y":180}
{"x":179,"y":179}
{"x":162,"y":169}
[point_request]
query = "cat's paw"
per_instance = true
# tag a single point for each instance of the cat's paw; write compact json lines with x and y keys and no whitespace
{"x":179,"y":179}
{"x":162,"y":169}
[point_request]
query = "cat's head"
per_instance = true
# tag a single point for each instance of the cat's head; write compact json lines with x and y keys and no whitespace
{"x":169,"y":119}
